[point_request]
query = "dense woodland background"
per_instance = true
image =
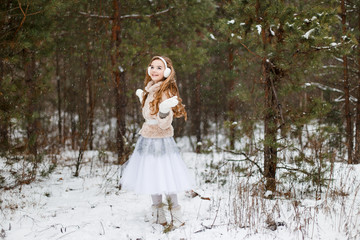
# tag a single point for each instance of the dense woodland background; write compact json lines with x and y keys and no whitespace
{"x":287,"y":68}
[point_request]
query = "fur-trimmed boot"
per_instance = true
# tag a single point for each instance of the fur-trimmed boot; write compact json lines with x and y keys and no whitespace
{"x":158,"y":214}
{"x":176,"y":216}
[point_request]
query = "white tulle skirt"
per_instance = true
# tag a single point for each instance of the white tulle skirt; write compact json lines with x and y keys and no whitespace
{"x":156,"y":167}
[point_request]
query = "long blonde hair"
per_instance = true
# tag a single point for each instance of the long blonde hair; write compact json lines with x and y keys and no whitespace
{"x":168,"y":87}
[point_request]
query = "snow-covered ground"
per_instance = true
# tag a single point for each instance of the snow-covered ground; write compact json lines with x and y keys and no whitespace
{"x":232,"y":206}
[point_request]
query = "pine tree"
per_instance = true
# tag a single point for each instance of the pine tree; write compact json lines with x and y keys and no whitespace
{"x":283,"y":36}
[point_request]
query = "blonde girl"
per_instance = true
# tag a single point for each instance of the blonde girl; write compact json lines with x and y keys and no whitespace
{"x":156,"y":166}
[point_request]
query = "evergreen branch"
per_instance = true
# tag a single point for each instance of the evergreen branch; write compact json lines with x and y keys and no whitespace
{"x":22,"y":9}
{"x":34,"y":13}
{"x":23,"y":20}
{"x":247,"y":158}
{"x":255,"y":54}
{"x":295,"y":170}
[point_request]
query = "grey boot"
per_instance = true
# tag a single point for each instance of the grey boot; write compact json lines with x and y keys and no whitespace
{"x":158,"y":214}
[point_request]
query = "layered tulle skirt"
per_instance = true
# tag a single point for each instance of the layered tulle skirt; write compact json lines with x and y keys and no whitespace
{"x":156,"y":167}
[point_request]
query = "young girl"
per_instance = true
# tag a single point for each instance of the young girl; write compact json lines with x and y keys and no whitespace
{"x":156,"y":167}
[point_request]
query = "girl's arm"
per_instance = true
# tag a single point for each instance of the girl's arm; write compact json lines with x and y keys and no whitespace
{"x":165,"y":116}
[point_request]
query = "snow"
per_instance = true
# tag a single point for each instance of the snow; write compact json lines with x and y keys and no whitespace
{"x":258,"y":28}
{"x":272,"y":32}
{"x":229,"y":205}
{"x":231,"y":21}
{"x":307,"y":34}
{"x":268,"y":193}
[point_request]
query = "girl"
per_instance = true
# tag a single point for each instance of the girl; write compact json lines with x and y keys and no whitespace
{"x":156,"y":167}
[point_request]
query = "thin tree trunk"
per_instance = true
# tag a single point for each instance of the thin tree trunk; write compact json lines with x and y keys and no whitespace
{"x":82,"y":106}
{"x":65,"y":96}
{"x":356,"y":159}
{"x":73,"y":130}
{"x":197,"y":117}
{"x":349,"y":130}
{"x":89,"y":97}
{"x":232,"y":102}
{"x":119,"y":82}
{"x":59,"y":98}
{"x":71,"y":98}
{"x":216,"y":116}
{"x":4,"y":119}
{"x":32,"y":120}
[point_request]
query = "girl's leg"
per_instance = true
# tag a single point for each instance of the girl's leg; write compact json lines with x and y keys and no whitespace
{"x":172,"y":198}
{"x":175,"y":210}
{"x":156,"y":199}
{"x":157,"y":210}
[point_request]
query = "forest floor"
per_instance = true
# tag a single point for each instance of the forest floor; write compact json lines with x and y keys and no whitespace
{"x":228,"y":205}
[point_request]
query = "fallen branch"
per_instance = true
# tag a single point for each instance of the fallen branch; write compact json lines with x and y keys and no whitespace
{"x":194,"y":194}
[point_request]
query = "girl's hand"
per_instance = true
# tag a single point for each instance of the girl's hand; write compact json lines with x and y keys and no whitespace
{"x":166,"y":105}
{"x":139,"y":93}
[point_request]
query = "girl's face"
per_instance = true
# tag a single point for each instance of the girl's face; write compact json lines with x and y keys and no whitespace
{"x":157,"y":69}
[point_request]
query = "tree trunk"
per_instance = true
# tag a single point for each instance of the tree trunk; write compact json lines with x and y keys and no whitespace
{"x":119,"y":84}
{"x":349,"y":130}
{"x":66,"y":129}
{"x":232,"y":102}
{"x":270,"y":117}
{"x":31,"y":118}
{"x":82,"y":108}
{"x":89,"y":97}
{"x":356,"y":159}
{"x":270,"y":130}
{"x":59,"y":98}
{"x":197,"y":117}
{"x":4,"y":119}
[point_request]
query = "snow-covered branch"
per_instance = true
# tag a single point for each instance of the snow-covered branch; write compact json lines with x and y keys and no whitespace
{"x":327,"y":88}
{"x":126,"y":16}
{"x":148,"y":15}
{"x":95,"y":15}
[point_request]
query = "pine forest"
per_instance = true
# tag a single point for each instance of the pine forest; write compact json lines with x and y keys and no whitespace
{"x":271,"y":137}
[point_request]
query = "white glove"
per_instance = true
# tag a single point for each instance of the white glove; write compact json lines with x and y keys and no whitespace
{"x":166,"y":105}
{"x":139,"y":93}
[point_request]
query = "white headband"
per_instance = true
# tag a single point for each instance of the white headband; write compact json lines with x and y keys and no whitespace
{"x":163,"y":61}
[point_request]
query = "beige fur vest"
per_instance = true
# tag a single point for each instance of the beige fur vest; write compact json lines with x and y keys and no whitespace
{"x":155,"y":126}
